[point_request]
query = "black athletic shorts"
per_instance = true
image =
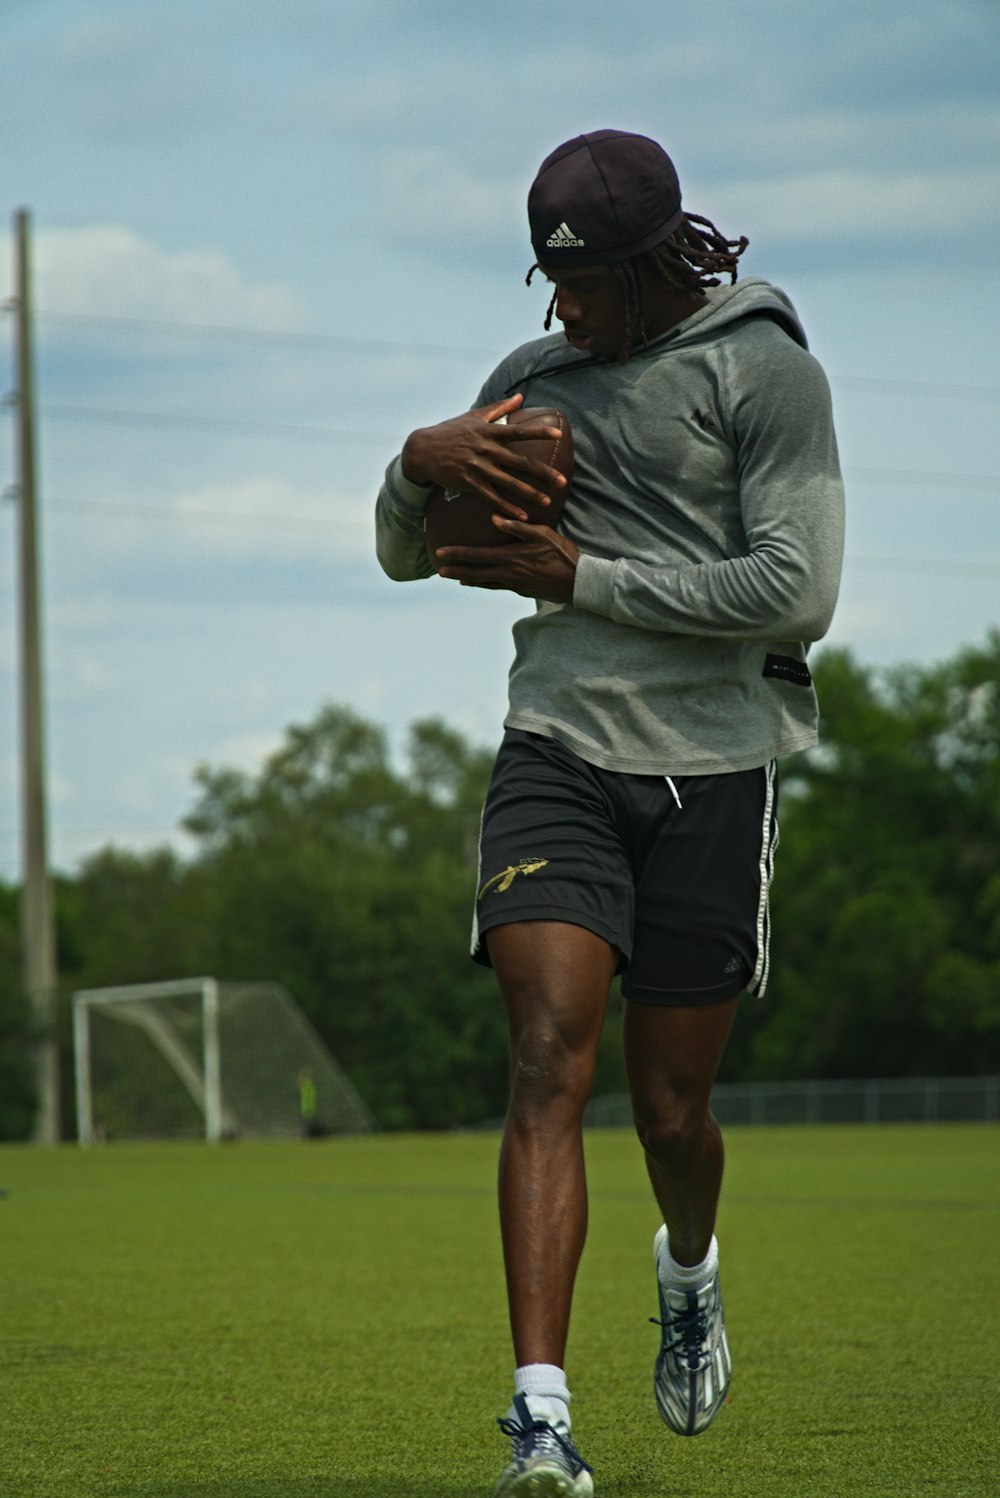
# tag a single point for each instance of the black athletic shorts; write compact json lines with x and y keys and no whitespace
{"x":673,"y":872}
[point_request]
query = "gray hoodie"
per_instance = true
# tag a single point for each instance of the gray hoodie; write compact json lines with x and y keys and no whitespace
{"x":707,"y":503}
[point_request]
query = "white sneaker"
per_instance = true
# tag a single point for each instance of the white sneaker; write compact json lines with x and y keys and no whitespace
{"x":545,"y":1463}
{"x":694,"y":1366}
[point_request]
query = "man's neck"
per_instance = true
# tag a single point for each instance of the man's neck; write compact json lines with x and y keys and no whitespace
{"x":664,"y":308}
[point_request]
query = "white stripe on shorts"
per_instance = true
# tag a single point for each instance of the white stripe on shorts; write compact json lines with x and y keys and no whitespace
{"x":474,"y":944}
{"x":768,"y":843}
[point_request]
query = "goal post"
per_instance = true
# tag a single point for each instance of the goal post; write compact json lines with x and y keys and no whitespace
{"x":201,"y":1058}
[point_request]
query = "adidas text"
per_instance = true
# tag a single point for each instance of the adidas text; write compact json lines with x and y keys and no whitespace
{"x":563,"y":238}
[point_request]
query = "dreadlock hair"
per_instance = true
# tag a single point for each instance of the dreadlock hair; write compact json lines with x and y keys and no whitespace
{"x":687,"y":260}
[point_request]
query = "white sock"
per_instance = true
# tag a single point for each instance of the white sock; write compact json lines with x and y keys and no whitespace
{"x":672,"y":1273}
{"x":544,"y":1387}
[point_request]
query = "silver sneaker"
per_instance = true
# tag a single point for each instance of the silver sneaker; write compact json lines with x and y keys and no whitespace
{"x":694,"y":1367}
{"x":545,"y":1462}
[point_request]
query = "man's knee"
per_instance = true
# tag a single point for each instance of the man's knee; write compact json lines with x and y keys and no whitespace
{"x":673,"y":1128}
{"x":549,"y":1067}
{"x":554,"y":979}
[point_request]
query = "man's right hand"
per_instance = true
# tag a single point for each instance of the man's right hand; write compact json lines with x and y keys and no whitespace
{"x":474,"y":454}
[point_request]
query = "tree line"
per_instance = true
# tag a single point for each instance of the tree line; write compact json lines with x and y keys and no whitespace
{"x":349,"y":879}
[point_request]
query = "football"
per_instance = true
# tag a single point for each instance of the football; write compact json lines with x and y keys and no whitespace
{"x":454,"y":519}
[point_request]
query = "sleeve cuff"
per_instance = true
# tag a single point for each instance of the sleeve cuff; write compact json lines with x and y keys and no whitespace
{"x":408,"y":494}
{"x":594,"y":585}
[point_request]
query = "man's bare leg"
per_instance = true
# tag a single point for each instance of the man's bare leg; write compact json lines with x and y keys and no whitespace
{"x":672,"y":1056}
{"x":554,"y":978}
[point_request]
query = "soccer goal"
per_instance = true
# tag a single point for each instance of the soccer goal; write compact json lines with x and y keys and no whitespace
{"x":199,"y":1058}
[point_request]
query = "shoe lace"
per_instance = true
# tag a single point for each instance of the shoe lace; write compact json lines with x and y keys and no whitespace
{"x":690,"y":1335}
{"x":544,"y":1440}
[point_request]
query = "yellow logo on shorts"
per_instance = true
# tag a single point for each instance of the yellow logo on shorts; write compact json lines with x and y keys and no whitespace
{"x":506,"y":877}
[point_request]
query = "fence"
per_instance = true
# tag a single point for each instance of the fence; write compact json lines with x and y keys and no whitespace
{"x":871,"y":1101}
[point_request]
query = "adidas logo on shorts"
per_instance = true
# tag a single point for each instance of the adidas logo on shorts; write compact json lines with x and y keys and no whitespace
{"x":563,"y":238}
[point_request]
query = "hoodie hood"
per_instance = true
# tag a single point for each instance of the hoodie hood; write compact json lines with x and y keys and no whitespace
{"x":753,"y":297}
{"x":546,"y":357}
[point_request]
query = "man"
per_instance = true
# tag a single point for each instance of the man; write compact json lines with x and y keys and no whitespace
{"x":633,"y":802}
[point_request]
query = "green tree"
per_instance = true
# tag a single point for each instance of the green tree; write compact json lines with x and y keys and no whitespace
{"x":349,"y":878}
{"x":17,"y":1088}
{"x":351,"y":883}
{"x":887,"y":893}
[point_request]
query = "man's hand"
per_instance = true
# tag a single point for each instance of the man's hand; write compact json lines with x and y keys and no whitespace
{"x":474,"y":454}
{"x":540,"y":563}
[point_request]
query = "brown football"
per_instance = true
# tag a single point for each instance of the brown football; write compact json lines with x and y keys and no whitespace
{"x":454,"y":519}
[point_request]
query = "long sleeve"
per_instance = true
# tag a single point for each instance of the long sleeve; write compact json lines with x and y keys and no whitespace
{"x":791,"y":503}
{"x":399,"y":526}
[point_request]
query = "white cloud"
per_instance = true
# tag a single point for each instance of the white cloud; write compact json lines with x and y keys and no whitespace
{"x":138,"y":75}
{"x":115,"y":39}
{"x":9,"y":654}
{"x":81,"y":676}
{"x":261,"y":518}
{"x":144,"y":790}
{"x":376,"y":100}
{"x":425,"y":194}
{"x":848,"y":175}
{"x":864,"y":138}
{"x":244,"y":751}
{"x":81,"y":616}
{"x":855,"y":205}
{"x":109,"y":270}
{"x":273,"y":517}
{"x":62,"y":791}
{"x":10,"y":775}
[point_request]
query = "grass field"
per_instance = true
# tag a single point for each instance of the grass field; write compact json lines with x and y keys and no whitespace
{"x":305,"y":1319}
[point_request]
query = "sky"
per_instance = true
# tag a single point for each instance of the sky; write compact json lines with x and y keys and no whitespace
{"x":270,"y":240}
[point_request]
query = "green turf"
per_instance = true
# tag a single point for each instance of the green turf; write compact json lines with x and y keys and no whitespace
{"x":305,"y":1319}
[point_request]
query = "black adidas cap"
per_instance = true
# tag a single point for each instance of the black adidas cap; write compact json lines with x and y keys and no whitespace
{"x":603,"y":197}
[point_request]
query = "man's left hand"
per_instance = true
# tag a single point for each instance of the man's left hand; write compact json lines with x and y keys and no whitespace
{"x":538,"y":563}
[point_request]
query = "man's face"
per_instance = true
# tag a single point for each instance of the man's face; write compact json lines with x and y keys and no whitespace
{"x":590,"y":304}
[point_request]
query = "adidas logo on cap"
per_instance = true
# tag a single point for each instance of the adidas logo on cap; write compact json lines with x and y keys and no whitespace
{"x":563,"y":238}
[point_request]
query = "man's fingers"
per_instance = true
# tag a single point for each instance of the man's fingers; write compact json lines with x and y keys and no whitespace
{"x":472,"y":556}
{"x":508,"y":507}
{"x":505,"y":498}
{"x":479,"y":556}
{"x":524,"y":530}
{"x":524,"y":469}
{"x":527,"y":431}
{"x":521,"y":478}
{"x":501,"y":408}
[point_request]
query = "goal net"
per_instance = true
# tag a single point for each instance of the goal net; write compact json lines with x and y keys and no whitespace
{"x":199,"y":1058}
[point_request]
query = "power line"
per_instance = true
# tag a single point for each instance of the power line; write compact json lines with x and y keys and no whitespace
{"x":268,"y":520}
{"x":295,"y":338}
{"x":273,"y":521}
{"x":987,"y":482}
{"x":297,"y":432}
{"x":286,"y":337}
{"x":290,"y":430}
{"x":122,"y":829}
{"x":921,"y":387}
{"x":926,"y":564}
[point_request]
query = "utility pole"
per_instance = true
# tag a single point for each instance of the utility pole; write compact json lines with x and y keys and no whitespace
{"x":37,"y":922}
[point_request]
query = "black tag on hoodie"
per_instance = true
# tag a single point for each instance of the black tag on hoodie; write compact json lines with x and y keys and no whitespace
{"x":787,"y":668}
